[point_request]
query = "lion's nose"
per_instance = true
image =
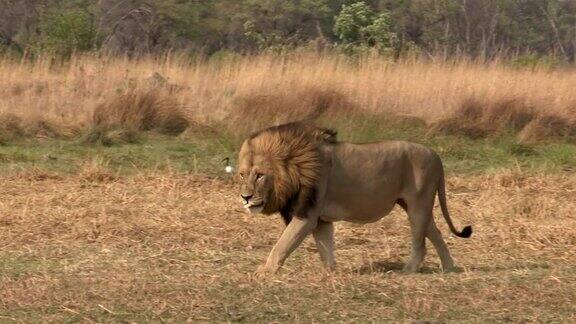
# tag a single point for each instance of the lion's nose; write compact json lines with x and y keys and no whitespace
{"x":246,"y":197}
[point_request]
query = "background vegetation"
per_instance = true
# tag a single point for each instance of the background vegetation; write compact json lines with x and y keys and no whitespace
{"x":493,"y":115}
{"x":531,"y":29}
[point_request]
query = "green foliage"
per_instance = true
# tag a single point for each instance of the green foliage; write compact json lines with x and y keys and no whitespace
{"x":65,"y":32}
{"x":184,"y":18}
{"x":263,"y":40}
{"x":534,"y":60}
{"x":359,"y":27}
{"x":484,"y":29}
{"x":350,"y":25}
{"x":380,"y":31}
{"x":279,"y":24}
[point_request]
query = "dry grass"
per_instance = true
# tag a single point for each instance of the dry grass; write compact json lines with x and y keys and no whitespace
{"x":478,"y":118}
{"x":160,"y":247}
{"x":124,"y":115}
{"x":455,"y":97}
{"x":13,"y":126}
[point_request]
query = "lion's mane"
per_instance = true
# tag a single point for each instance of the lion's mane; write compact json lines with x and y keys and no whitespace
{"x":294,"y":151}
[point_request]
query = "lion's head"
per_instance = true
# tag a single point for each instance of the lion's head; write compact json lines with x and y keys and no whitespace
{"x":281,"y":165}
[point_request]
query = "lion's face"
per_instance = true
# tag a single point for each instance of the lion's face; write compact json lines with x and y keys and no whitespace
{"x":277,"y":164}
{"x":256,"y":183}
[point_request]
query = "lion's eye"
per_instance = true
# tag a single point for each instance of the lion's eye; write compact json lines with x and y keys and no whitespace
{"x":242,"y":176}
{"x":259,"y":175}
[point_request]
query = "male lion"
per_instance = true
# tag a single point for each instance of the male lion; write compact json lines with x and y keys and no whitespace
{"x":312,"y":180}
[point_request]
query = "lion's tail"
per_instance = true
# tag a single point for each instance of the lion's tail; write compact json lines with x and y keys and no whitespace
{"x":466,"y":231}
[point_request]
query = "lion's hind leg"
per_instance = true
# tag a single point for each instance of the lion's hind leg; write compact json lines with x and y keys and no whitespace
{"x":420,"y":215}
{"x":422,"y":226}
{"x":324,"y":238}
{"x":435,"y":237}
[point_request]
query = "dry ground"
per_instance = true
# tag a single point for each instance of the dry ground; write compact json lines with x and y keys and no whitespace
{"x":95,"y":247}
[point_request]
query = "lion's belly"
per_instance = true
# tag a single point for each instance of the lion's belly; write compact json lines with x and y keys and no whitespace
{"x":365,"y":181}
{"x":362,"y":213}
{"x":359,"y":202}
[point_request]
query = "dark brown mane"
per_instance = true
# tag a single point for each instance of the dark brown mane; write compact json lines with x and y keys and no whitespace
{"x":322,"y":134}
{"x":293,"y":150}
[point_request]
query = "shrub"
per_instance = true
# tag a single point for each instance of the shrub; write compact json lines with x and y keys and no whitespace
{"x":14,"y":127}
{"x":479,"y":117}
{"x":358,"y":27}
{"x":65,"y":32}
{"x":126,"y":114}
{"x":253,"y":112}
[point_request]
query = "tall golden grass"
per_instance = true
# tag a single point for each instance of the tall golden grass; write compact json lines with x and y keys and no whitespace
{"x":464,"y":97}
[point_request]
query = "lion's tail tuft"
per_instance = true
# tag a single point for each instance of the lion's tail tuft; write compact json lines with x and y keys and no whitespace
{"x":465,"y":233}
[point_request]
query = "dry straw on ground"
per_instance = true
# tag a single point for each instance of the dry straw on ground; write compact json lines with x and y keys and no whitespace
{"x":455,"y":97}
{"x":159,"y":247}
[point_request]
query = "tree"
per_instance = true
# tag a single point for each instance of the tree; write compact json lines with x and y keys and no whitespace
{"x":485,"y":29}
{"x":358,"y":27}
{"x":280,"y":23}
{"x":68,"y":31}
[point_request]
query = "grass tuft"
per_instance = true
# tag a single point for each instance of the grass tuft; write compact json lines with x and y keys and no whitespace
{"x":96,"y":170}
{"x":14,"y":127}
{"x":256,"y":110}
{"x":483,"y":117}
{"x":139,"y":110}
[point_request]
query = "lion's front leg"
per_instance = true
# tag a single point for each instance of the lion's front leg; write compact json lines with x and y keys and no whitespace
{"x":292,"y":236}
{"x":324,"y":237}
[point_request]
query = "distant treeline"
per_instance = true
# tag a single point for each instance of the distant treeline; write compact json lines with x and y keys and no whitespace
{"x":475,"y":28}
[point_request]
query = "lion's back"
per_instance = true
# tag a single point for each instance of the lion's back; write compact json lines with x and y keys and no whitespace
{"x":386,"y":166}
{"x":392,"y":153}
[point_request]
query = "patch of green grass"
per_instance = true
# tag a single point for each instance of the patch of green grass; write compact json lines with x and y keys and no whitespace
{"x":204,"y":152}
{"x":17,"y":265}
{"x":192,"y":154}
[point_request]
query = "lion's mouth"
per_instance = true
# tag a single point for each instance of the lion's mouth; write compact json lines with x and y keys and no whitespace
{"x":254,"y":208}
{"x":251,"y":205}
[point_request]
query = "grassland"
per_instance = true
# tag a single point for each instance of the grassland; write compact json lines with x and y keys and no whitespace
{"x":165,"y":247}
{"x":114,"y":206}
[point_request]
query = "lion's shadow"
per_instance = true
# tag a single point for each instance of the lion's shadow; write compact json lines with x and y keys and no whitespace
{"x":387,"y":266}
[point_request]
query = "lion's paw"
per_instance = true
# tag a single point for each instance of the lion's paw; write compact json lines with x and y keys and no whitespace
{"x":265,"y":271}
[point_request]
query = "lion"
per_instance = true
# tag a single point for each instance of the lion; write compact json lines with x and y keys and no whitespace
{"x":312,"y":180}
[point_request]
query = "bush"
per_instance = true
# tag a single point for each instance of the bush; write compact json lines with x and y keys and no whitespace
{"x":358,"y":28}
{"x":14,"y":127}
{"x":123,"y":116}
{"x":533,"y":61}
{"x":65,"y":32}
{"x":479,"y":117}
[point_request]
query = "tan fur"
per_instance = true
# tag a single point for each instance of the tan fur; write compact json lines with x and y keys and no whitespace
{"x":301,"y":170}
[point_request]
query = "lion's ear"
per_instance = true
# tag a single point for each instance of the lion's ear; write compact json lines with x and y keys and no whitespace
{"x":329,"y":135}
